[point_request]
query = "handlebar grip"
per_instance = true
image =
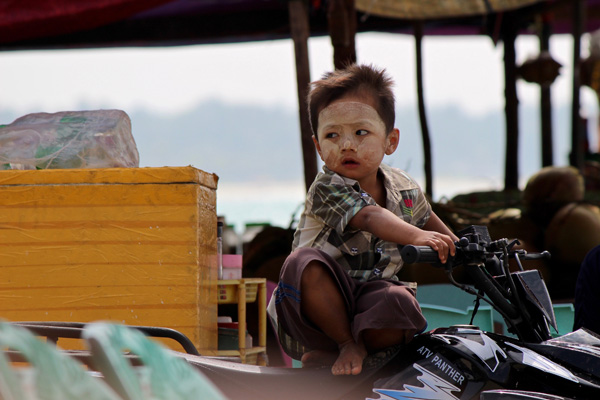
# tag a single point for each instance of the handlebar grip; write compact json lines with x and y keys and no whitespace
{"x":536,"y":256}
{"x":419,"y":254}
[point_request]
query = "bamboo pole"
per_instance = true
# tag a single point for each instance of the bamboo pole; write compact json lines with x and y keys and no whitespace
{"x":546,"y":103}
{"x":577,"y":139}
{"x":300,"y":31}
{"x":511,"y":176}
{"x":341,"y":19}
{"x":422,"y":115}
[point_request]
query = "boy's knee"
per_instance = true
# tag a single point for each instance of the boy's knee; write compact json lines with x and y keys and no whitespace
{"x":315,"y":271}
{"x":402,"y":300}
{"x":297,"y":258}
{"x":297,"y":262}
{"x":400,"y":295}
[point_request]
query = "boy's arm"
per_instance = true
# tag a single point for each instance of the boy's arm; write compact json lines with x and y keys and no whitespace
{"x":436,"y":224}
{"x":387,"y":226}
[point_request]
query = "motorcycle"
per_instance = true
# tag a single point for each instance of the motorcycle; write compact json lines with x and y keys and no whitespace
{"x":455,"y":362}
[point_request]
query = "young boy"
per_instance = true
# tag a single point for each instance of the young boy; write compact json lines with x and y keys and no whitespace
{"x":338,"y":298}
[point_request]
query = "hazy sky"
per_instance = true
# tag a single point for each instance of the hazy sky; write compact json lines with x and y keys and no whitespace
{"x":465,"y":71}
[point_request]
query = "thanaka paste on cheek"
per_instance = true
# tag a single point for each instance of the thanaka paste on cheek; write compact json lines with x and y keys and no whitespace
{"x":341,"y":113}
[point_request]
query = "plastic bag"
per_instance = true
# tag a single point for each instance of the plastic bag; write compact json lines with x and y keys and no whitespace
{"x":70,"y":139}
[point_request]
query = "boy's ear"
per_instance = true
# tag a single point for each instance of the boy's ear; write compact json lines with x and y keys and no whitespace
{"x":317,"y":145}
{"x":392,"y":141}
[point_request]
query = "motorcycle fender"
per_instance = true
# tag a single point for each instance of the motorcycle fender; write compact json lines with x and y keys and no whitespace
{"x":430,"y":369}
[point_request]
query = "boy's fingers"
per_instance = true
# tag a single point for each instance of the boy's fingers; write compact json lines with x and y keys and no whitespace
{"x":443,"y":253}
{"x":446,"y":247}
{"x":451,"y":246}
{"x":438,"y":245}
{"x":443,"y":245}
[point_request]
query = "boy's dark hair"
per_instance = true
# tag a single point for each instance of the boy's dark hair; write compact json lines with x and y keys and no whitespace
{"x":354,"y":79}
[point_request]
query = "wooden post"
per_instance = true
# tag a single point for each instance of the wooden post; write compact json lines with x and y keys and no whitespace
{"x":262,"y":319}
{"x":577,"y":141}
{"x":546,"y":103}
{"x":241,"y":293}
{"x":422,"y":115}
{"x":511,"y":177}
{"x":341,"y":19}
{"x":300,"y":31}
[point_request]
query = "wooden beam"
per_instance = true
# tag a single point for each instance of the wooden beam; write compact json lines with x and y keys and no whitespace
{"x":300,"y":31}
{"x":511,"y":172}
{"x":341,"y":19}
{"x":546,"y":103}
{"x":577,"y":129}
{"x":422,"y":115}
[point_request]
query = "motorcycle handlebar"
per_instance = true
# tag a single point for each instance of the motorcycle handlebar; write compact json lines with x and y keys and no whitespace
{"x":412,"y":254}
{"x":419,"y":254}
{"x":487,"y":265}
{"x":425,"y":254}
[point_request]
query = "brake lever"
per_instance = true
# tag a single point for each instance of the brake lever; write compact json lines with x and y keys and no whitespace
{"x":513,"y":244}
{"x":537,"y":256}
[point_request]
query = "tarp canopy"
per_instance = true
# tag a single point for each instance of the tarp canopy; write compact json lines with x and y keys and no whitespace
{"x":52,"y":24}
{"x":439,"y":9}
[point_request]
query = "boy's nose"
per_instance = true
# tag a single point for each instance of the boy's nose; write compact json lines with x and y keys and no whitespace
{"x":349,"y":144}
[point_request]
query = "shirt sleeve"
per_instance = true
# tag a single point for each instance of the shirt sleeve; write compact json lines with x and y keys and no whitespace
{"x":337,"y":204}
{"x":422,"y":209}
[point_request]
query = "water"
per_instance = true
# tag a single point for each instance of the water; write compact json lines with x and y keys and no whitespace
{"x":272,"y":203}
{"x":279,"y":203}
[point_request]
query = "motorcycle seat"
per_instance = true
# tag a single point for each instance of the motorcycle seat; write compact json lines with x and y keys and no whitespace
{"x":258,"y":382}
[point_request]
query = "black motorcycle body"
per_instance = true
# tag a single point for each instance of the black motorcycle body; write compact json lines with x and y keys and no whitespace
{"x":458,"y":362}
{"x":461,"y":362}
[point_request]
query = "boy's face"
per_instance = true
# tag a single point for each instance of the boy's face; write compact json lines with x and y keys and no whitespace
{"x":352,"y":139}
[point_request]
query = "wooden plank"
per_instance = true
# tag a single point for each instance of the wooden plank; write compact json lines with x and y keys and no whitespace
{"x":90,"y":196}
{"x":109,"y":214}
{"x":94,"y":275}
{"x":91,"y":176}
{"x":85,"y":232}
{"x":117,"y":253}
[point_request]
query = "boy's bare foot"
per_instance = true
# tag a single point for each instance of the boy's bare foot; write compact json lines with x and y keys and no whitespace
{"x":350,"y":360}
{"x":318,"y":358}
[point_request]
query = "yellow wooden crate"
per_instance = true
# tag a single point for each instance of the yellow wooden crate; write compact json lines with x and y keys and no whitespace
{"x":132,"y":245}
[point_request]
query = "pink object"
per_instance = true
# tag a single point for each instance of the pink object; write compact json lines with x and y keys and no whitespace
{"x":232,"y":266}
{"x":232,"y":260}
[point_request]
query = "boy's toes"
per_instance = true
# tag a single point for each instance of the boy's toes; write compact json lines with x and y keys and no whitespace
{"x":342,"y":369}
{"x":349,"y":368}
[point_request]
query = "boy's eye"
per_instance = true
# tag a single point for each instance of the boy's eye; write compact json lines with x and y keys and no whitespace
{"x":361,"y":132}
{"x":331,"y":135}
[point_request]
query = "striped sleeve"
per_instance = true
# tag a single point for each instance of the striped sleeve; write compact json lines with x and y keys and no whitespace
{"x":336,"y":205}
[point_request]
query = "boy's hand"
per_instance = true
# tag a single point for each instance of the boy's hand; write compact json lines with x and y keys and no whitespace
{"x":388,"y":226}
{"x":439,"y":242}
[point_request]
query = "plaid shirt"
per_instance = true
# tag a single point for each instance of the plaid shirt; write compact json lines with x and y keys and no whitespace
{"x":333,"y":200}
